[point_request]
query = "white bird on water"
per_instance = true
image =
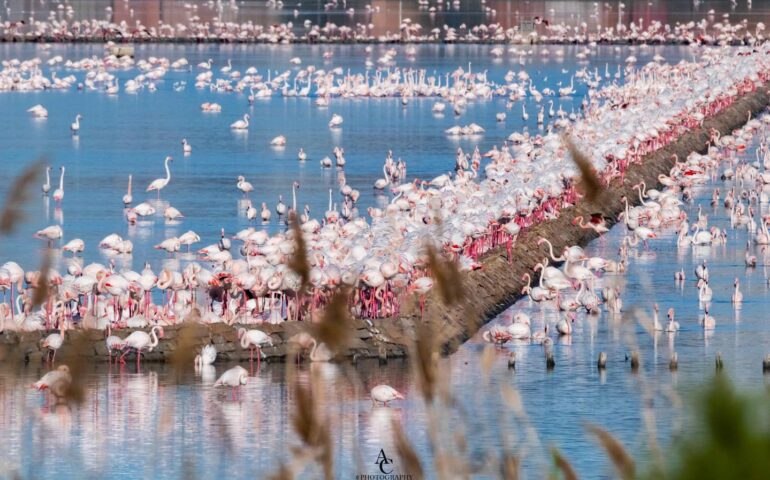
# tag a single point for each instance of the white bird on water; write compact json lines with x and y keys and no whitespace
{"x":384,"y":394}
{"x":75,"y":126}
{"x":336,"y":121}
{"x":241,"y":124}
{"x":160,"y":183}
{"x":207,"y":356}
{"x":233,"y":378}
{"x":58,"y":194}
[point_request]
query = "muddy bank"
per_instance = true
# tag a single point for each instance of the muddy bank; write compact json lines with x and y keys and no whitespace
{"x":489,"y":291}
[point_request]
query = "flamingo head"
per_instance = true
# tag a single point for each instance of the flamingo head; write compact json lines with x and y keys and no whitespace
{"x":161,"y":334}
{"x":655,"y":307}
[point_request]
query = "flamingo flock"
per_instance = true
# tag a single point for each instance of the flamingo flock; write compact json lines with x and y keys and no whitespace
{"x":529,"y":179}
{"x":61,"y":26}
{"x":584,"y":286}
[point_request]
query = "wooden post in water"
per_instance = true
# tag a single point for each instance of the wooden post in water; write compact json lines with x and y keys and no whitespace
{"x":602,"y":363}
{"x":550,"y":363}
{"x":766,"y":364}
{"x":673,"y":364}
{"x":635,"y":360}
{"x":512,"y":361}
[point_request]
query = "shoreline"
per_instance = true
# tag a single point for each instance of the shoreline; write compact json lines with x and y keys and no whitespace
{"x":489,"y":291}
{"x":120,"y":42}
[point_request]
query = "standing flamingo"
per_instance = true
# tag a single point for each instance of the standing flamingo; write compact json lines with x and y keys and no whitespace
{"x":128,"y":198}
{"x":160,"y":183}
{"x":140,"y":340}
{"x":58,"y":194}
{"x":254,"y":339}
{"x":233,"y":378}
{"x":75,"y":126}
{"x":385,"y":394}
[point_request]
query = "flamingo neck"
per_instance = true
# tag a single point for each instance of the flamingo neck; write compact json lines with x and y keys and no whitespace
{"x":168,"y":172}
{"x":61,"y":180}
{"x":154,"y":337}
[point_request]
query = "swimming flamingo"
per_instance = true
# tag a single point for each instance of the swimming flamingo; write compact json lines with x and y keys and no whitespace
{"x":385,"y":394}
{"x":160,"y":183}
{"x":186,"y":147}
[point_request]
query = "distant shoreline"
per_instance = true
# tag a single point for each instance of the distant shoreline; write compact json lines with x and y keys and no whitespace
{"x":118,"y":41}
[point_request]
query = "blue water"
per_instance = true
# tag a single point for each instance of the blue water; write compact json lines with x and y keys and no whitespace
{"x":145,"y":425}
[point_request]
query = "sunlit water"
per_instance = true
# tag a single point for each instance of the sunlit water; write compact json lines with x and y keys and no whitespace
{"x":145,"y":425}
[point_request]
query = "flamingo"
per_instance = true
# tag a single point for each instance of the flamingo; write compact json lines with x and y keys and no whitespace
{"x":186,"y":147}
{"x":128,"y":198}
{"x":140,"y":340}
{"x":254,"y":339}
{"x":160,"y":183}
{"x":244,"y":186}
{"x":58,"y":194}
{"x":673,"y":325}
{"x":114,"y":342}
{"x":496,"y":335}
{"x":207,"y":356}
{"x":57,"y":381}
{"x":53,"y":342}
{"x":320,"y":352}
{"x":75,"y":246}
{"x":384,"y":394}
{"x":47,"y":185}
{"x":51,"y":233}
{"x":241,"y":124}
{"x":75,"y":126}
{"x":233,"y":378}
{"x":737,"y":296}
{"x":564,"y":326}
